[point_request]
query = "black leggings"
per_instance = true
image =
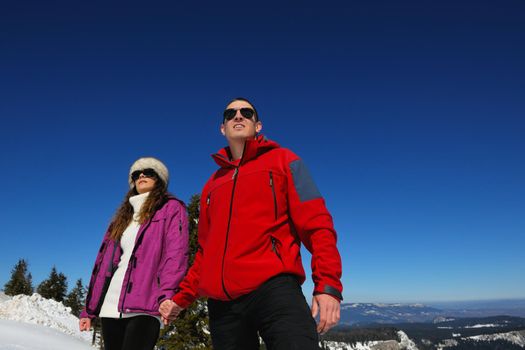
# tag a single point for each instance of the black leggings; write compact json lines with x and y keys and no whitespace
{"x":132,"y":333}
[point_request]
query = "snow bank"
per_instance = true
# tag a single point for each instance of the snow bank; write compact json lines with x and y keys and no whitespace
{"x":37,"y":310}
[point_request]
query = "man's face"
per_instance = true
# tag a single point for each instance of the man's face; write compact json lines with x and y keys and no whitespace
{"x":239,"y":127}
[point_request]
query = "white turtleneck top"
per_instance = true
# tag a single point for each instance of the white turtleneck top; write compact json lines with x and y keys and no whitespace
{"x":127,"y":243}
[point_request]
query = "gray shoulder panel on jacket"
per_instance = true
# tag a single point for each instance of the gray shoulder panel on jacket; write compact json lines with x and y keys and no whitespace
{"x":304,"y":184}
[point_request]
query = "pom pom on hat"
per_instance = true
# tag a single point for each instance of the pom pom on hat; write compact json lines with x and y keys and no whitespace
{"x":152,"y":163}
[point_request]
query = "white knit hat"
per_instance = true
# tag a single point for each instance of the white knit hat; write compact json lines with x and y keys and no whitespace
{"x":151,"y":163}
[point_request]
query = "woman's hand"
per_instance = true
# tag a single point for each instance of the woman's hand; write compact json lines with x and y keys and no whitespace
{"x":84,"y":324}
{"x":169,"y":310}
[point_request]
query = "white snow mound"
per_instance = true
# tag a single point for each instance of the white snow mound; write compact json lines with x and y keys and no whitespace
{"x":38,"y":310}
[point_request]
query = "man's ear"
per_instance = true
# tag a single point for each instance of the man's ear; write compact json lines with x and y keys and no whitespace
{"x":222,"y":130}
{"x":258,"y":127}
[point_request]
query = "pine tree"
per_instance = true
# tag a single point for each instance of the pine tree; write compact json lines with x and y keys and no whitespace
{"x":55,"y":287}
{"x":21,"y":280}
{"x":75,"y":299}
{"x":190,"y":330}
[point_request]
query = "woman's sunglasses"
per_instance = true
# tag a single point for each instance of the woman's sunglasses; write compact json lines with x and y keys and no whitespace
{"x":146,"y":172}
{"x":246,"y":112}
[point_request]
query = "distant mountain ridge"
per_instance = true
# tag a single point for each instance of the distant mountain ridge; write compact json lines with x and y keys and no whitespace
{"x":367,"y":313}
{"x":389,"y":313}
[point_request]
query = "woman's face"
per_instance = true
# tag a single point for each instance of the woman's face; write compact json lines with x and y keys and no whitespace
{"x":144,"y":184}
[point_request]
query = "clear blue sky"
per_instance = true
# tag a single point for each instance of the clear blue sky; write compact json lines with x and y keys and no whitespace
{"x":409,"y":114}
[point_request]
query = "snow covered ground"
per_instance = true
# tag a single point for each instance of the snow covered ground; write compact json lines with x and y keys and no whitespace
{"x":35,"y":323}
{"x":16,"y":335}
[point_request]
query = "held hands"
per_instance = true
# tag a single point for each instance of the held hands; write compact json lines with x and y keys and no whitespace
{"x":84,"y":324}
{"x":169,"y":311}
{"x":329,"y":310}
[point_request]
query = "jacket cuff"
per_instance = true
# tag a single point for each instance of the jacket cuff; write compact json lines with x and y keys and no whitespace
{"x":332,"y":291}
{"x":165,"y":296}
{"x":181,"y":301}
{"x":84,"y":314}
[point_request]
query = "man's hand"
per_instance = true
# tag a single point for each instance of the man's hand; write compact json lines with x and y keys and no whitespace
{"x":169,"y":310}
{"x":329,"y":310}
{"x":84,"y":324}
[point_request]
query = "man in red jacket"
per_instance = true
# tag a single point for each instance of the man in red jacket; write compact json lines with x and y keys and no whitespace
{"x":255,"y":211}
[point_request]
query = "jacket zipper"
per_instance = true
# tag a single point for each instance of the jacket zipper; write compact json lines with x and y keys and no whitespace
{"x":107,"y":280}
{"x":133,"y":261}
{"x":274,"y":248}
{"x":234,"y":177}
{"x":274,"y":196}
{"x":101,"y":251}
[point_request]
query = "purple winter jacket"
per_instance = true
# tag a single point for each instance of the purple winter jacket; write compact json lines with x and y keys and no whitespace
{"x":157,"y":265}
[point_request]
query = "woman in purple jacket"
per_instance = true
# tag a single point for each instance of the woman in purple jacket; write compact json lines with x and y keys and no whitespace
{"x":143,"y":257}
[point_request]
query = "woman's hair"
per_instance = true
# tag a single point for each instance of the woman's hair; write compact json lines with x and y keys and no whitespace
{"x":246,"y":100}
{"x":156,"y":198}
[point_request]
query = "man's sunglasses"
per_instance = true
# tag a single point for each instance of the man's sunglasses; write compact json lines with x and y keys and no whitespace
{"x":146,"y":172}
{"x":246,"y":112}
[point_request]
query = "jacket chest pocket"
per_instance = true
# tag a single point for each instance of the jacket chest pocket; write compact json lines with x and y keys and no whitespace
{"x":277,"y":185}
{"x":260,"y":195}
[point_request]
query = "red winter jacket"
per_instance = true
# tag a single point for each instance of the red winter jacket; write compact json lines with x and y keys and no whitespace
{"x":254,"y":214}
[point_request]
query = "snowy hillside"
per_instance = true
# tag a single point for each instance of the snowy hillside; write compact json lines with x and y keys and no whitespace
{"x":516,"y":338}
{"x":404,"y":344}
{"x":32,"y":322}
{"x":371,"y":313}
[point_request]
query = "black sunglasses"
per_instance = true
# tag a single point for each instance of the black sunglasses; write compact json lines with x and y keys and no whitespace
{"x":146,"y":172}
{"x":246,"y":112}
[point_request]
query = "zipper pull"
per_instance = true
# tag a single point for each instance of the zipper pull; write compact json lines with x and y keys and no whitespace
{"x":235,"y":173}
{"x":208,"y":199}
{"x":271,"y":179}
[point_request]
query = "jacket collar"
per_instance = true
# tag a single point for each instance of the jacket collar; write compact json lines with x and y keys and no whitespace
{"x":252,"y":149}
